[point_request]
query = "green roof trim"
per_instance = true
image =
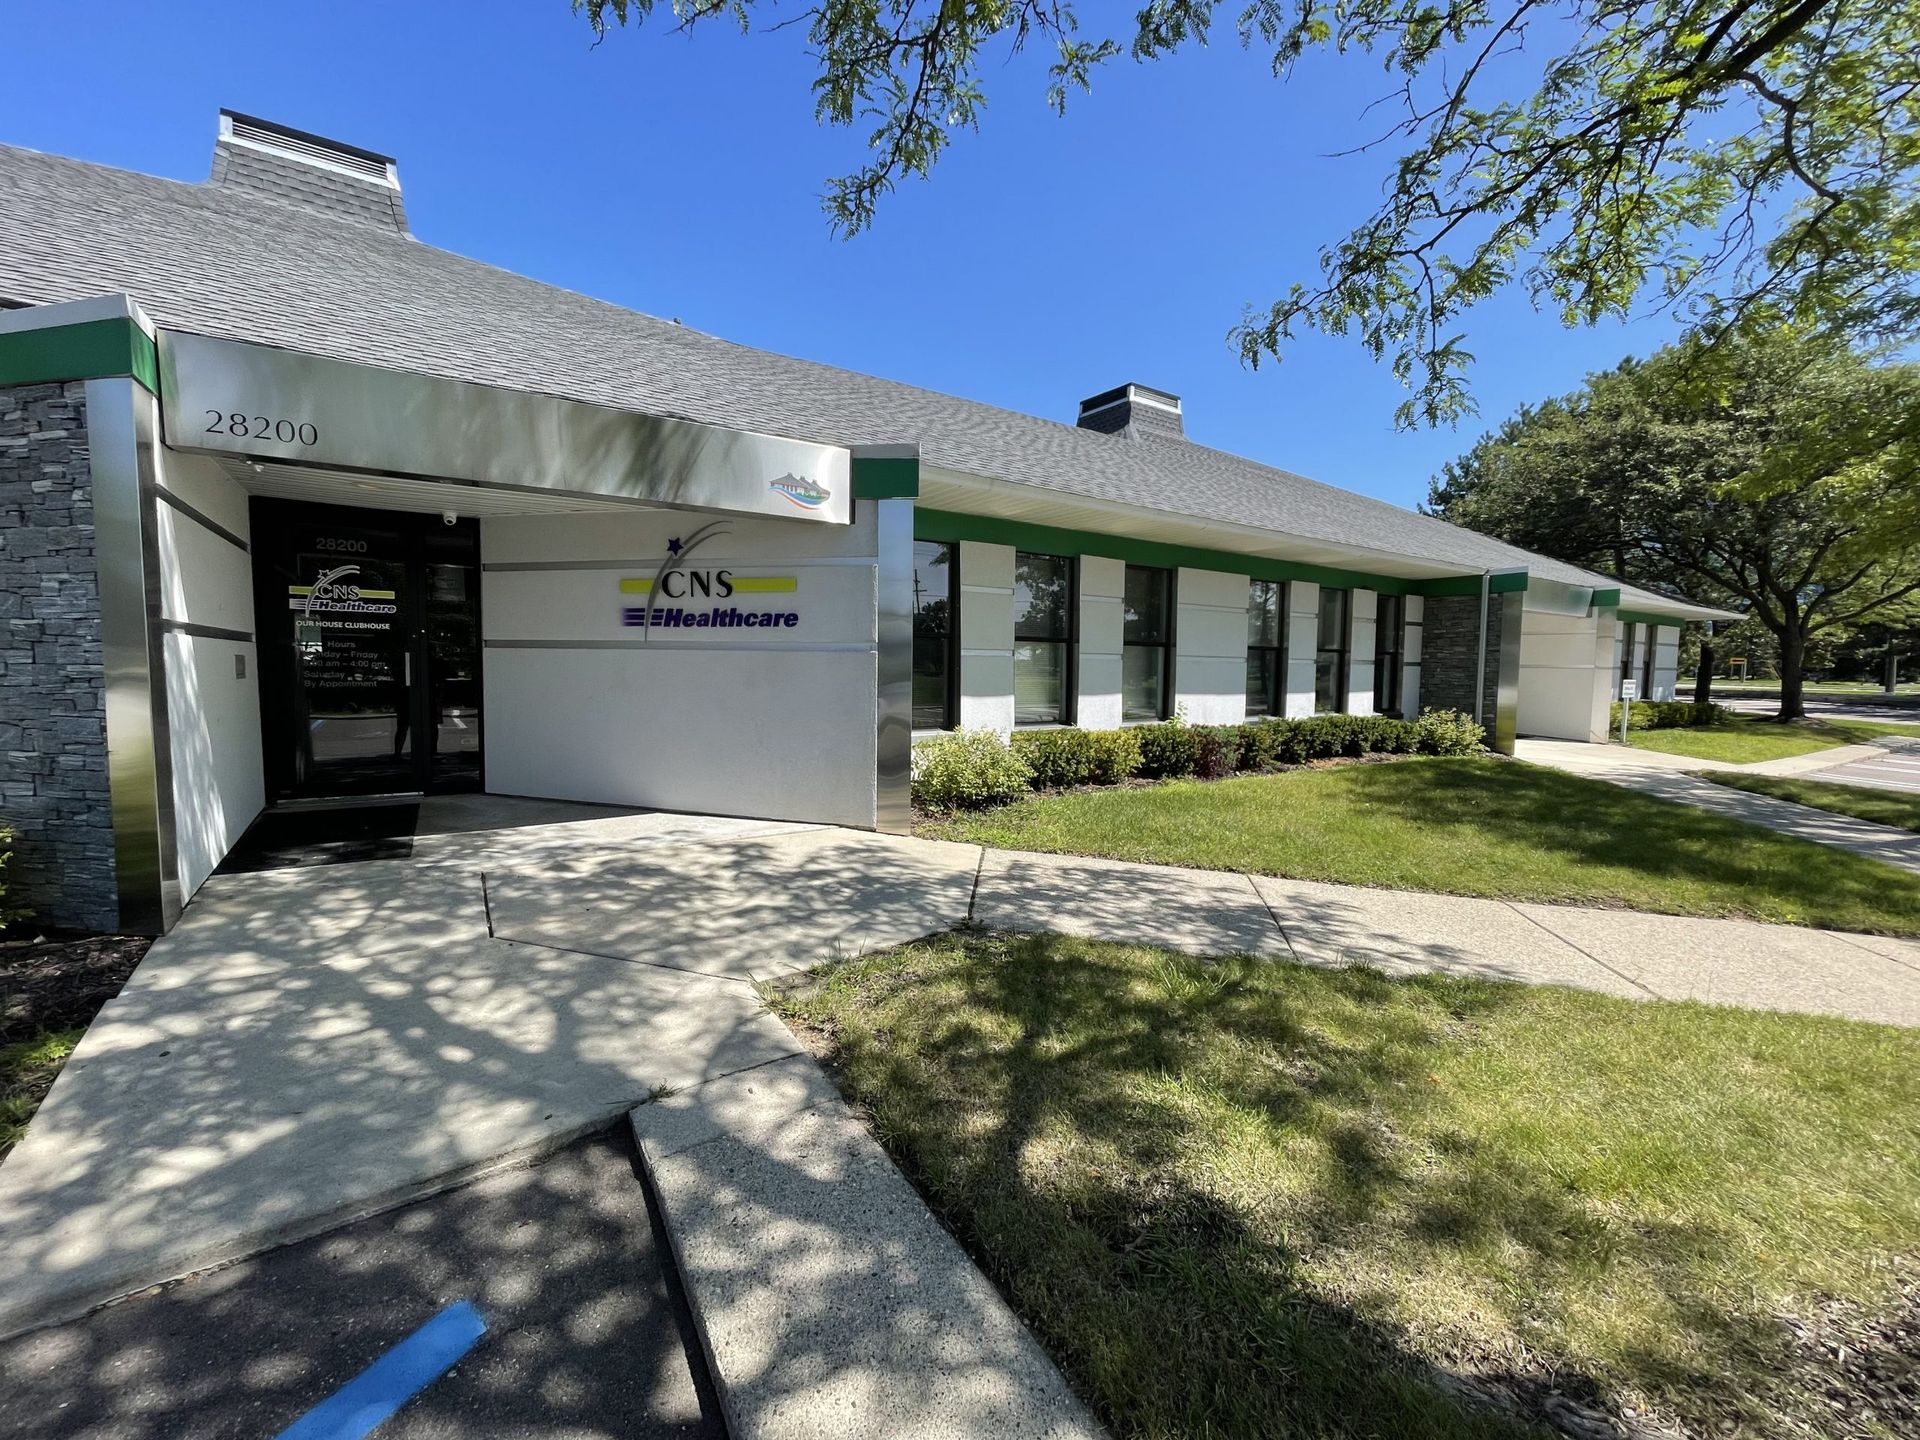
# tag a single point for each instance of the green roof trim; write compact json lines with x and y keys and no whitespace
{"x":886,"y":477}
{"x":1647,"y":617}
{"x":91,"y":350}
{"x":951,"y":525}
{"x":1605,"y":599}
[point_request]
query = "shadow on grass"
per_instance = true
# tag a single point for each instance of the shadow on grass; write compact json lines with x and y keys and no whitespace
{"x":1151,"y":1156}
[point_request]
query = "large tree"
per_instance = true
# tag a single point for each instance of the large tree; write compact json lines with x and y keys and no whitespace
{"x":1673,"y":473}
{"x":1748,"y":160}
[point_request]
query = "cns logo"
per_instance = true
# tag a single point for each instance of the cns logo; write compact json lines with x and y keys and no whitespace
{"x":676,"y":580}
{"x":804,"y":493}
{"x":330,"y":594}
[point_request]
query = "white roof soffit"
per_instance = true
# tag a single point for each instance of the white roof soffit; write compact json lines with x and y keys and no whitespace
{"x":1004,"y":499}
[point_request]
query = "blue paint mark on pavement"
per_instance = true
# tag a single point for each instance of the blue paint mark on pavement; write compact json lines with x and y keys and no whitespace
{"x":392,"y":1380}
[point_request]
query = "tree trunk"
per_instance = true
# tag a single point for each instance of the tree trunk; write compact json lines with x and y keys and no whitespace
{"x":1703,"y":681}
{"x":1793,"y":648}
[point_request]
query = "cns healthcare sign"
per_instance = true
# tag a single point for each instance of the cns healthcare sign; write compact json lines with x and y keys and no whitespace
{"x":680,"y":596}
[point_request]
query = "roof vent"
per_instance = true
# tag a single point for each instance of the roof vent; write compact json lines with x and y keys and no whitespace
{"x":1137,"y":412}
{"x":308,"y":171}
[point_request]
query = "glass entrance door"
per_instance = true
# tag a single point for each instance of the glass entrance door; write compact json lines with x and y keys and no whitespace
{"x":369,"y":662}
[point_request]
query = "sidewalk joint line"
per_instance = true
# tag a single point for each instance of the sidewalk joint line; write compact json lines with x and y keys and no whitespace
{"x":1648,"y":989}
{"x":973,"y":895}
{"x":1274,"y":916}
{"x":487,"y":901}
{"x":1868,"y":949}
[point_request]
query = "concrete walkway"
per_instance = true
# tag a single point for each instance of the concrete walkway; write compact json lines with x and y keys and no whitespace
{"x":314,"y":1045}
{"x":1679,"y":778}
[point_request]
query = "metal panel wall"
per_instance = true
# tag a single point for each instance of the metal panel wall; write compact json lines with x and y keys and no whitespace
{"x":893,"y":747}
{"x":122,"y":425}
{"x":1506,"y":710}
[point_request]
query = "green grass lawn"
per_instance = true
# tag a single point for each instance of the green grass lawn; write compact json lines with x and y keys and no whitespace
{"x":1242,"y":1198}
{"x":1812,"y":687}
{"x":1900,"y":809}
{"x":27,"y":1071}
{"x":1747,"y":739}
{"x":1478,"y":826}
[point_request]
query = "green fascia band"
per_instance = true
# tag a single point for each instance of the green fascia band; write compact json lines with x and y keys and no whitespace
{"x":1645,"y":617}
{"x":1606,"y":599}
{"x":949,"y":525}
{"x":93,"y":350}
{"x":886,"y":477}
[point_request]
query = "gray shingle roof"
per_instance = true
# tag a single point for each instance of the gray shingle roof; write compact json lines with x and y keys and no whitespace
{"x":231,"y":263}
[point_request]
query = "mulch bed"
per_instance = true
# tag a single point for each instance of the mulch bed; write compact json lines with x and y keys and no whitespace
{"x":54,"y":981}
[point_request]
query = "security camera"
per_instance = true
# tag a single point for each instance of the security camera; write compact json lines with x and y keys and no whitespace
{"x":447,"y":517}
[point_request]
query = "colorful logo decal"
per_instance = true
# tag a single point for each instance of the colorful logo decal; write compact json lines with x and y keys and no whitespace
{"x":676,"y":580}
{"x":331,"y":595}
{"x":804,"y":493}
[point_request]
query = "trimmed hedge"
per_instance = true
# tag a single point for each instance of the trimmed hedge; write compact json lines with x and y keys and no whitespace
{"x":972,"y":768}
{"x":1671,"y":715}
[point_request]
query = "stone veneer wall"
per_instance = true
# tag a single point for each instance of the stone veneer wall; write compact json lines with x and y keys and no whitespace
{"x":1449,"y":641}
{"x":53,"y":731}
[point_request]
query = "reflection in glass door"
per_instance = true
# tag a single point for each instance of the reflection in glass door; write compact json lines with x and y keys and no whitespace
{"x":347,"y":591}
{"x":370,"y":651}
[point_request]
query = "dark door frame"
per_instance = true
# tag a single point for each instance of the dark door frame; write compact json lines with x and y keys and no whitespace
{"x":272,"y":522}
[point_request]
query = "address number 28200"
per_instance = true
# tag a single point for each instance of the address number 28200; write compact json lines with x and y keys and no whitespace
{"x":262,"y":427}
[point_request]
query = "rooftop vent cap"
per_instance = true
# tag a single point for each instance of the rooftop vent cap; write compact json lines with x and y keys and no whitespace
{"x":284,"y":140}
{"x":1138,"y":412}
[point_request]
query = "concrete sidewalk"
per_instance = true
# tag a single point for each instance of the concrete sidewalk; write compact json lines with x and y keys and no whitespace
{"x":829,"y":1300}
{"x":309,"y":1046}
{"x":1679,"y":778}
{"x":314,"y":1045}
{"x":1620,"y":952}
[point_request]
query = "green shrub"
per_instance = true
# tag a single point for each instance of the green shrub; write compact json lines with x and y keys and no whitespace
{"x":1261,"y":742}
{"x":1448,"y":732}
{"x":1167,"y":749}
{"x":967,"y":769}
{"x":1216,"y":751}
{"x":1057,"y":758}
{"x":1113,"y":756}
{"x":1671,"y":714}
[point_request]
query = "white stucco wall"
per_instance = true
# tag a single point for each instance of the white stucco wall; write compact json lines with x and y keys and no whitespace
{"x":1102,"y":635}
{"x":986,"y":636}
{"x":1210,"y":647}
{"x":212,"y":683}
{"x":1416,"y":614}
{"x":1303,"y":639}
{"x":741,"y":721}
{"x":1364,"y":613}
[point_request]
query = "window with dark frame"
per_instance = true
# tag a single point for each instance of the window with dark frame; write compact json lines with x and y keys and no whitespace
{"x":1043,"y":638}
{"x":1266,"y":647}
{"x":1626,"y":656}
{"x":1389,"y":622}
{"x":1330,"y":654}
{"x":936,"y":633}
{"x":1146,"y":651}
{"x":1646,"y":664}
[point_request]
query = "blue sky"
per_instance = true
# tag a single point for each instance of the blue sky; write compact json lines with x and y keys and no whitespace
{"x":1048,"y":258}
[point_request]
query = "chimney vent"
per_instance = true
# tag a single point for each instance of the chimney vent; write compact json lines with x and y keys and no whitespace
{"x":1137,"y":412}
{"x":310,"y":172}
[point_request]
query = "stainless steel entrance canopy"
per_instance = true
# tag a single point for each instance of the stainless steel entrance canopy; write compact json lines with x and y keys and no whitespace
{"x":225,"y":397}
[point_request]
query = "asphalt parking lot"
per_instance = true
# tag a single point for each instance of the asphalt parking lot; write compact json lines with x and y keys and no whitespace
{"x":586,"y":1332}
